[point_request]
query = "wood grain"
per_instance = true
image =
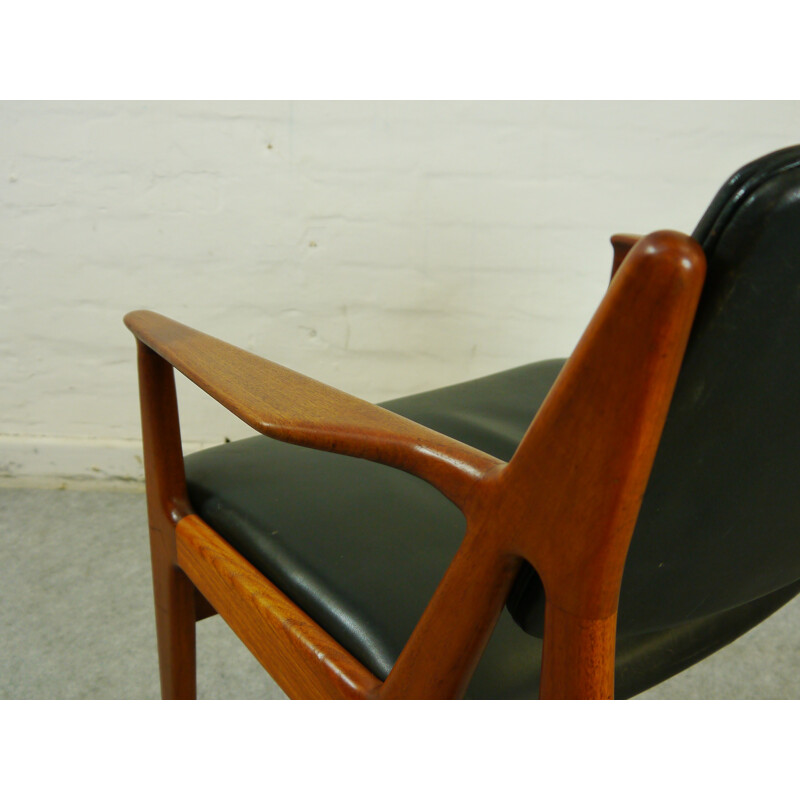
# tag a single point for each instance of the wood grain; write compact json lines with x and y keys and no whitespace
{"x":167,"y":502}
{"x":583,"y":465}
{"x":304,"y":660}
{"x":567,"y":501}
{"x":577,"y":657}
{"x":285,"y":405}
{"x":585,"y":461}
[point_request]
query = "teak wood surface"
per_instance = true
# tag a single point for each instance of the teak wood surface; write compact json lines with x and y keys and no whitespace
{"x":566,"y":502}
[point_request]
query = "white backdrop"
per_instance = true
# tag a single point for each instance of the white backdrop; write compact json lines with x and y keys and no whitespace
{"x":385,"y":248}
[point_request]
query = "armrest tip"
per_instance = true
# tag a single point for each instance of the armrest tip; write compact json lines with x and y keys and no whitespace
{"x":140,"y":321}
{"x":131,"y":319}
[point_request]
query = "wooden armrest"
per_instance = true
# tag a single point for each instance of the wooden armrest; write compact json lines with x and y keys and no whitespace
{"x":286,"y":405}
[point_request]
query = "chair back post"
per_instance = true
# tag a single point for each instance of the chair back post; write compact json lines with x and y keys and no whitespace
{"x":572,"y":491}
{"x":568,"y":499}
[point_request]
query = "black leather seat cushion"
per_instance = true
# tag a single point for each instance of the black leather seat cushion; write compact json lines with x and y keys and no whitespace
{"x":361,"y":547}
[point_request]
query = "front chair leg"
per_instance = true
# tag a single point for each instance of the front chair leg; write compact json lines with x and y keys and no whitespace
{"x":174,"y":596}
{"x":167,"y":503}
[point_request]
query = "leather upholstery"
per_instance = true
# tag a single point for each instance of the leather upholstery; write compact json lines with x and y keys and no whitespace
{"x":361,"y":547}
{"x":720,"y":518}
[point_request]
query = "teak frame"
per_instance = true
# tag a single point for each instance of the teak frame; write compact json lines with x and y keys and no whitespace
{"x":566,"y":502}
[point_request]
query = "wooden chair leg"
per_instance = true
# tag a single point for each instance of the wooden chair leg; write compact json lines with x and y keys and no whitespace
{"x":167,"y":503}
{"x":577,"y":657}
{"x":174,"y":596}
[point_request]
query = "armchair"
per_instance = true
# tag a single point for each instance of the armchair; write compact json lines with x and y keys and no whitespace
{"x":478,"y":540}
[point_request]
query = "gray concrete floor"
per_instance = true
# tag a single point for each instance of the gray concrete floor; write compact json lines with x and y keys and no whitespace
{"x":76,"y":618}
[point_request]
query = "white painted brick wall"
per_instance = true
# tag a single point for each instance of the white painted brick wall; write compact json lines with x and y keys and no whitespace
{"x":385,"y":248}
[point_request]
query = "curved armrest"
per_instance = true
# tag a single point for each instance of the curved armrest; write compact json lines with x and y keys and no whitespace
{"x":286,"y":405}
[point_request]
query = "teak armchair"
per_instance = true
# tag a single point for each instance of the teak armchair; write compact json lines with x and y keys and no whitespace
{"x":478,"y":543}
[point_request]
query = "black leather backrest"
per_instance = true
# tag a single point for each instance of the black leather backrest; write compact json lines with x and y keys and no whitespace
{"x":720,"y":521}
